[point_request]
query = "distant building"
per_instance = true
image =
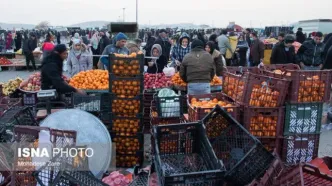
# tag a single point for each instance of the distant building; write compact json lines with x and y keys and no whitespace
{"x":309,"y":26}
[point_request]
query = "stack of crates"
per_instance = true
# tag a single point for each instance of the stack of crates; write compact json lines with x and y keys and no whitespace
{"x":126,"y":101}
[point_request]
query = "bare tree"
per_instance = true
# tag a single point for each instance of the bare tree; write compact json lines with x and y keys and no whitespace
{"x":43,"y":25}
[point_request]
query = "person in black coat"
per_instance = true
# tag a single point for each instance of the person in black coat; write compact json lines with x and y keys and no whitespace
{"x":163,"y":41}
{"x":104,"y":42}
{"x":29,"y":45}
{"x":51,"y":71}
{"x":213,"y":38}
{"x":300,"y":37}
{"x":241,"y":51}
{"x":18,"y":41}
{"x":328,"y":59}
{"x":58,"y":38}
{"x":284,"y":53}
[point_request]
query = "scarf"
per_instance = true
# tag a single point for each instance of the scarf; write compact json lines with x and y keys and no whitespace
{"x":95,"y":41}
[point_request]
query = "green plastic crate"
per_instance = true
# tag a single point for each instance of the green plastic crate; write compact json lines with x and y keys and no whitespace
{"x":303,"y":118}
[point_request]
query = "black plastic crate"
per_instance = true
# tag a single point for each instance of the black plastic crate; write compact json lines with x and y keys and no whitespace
{"x":126,"y":87}
{"x":169,"y":107}
{"x":130,"y":160}
{"x":184,"y":156}
{"x":303,"y":118}
{"x":122,"y":66}
{"x":127,"y":107}
{"x":18,"y":116}
{"x":141,"y":178}
{"x":126,"y":126}
{"x":128,"y":144}
{"x":244,"y":157}
{"x":93,"y":102}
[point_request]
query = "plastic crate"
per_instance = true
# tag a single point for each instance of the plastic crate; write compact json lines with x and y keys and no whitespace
{"x":126,"y":87}
{"x":272,"y":143}
{"x":241,"y":70}
{"x":273,"y":172}
{"x":128,"y":144}
{"x":11,"y":102}
{"x":29,"y":99}
{"x":125,"y":125}
{"x":126,"y":67}
{"x":300,"y":148}
{"x":234,"y":85}
{"x":18,"y":116}
{"x":184,"y":156}
{"x":303,"y":175}
{"x":270,"y":70}
{"x":127,"y":107}
{"x":309,"y":86}
{"x":264,"y":122}
{"x":3,"y":108}
{"x":198,"y":113}
{"x":243,"y":155}
{"x":140,"y":178}
{"x":264,"y":91}
{"x":93,"y":102}
{"x":303,"y":118}
{"x":169,"y":107}
{"x":130,"y":160}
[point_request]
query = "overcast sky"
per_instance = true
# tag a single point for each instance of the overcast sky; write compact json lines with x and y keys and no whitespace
{"x":254,"y":13}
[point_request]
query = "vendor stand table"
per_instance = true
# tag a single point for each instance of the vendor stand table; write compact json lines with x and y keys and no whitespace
{"x":7,"y":55}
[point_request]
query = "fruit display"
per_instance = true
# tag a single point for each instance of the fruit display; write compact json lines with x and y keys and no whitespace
{"x":90,"y":80}
{"x":10,"y":86}
{"x":127,"y":160}
{"x":153,"y":81}
{"x":311,"y":90}
{"x":280,"y":72}
{"x":125,"y":127}
{"x":215,"y":125}
{"x":126,"y":145}
{"x":263,"y":96}
{"x":5,"y":61}
{"x":116,"y":179}
{"x":33,"y":83}
{"x":263,"y":126}
{"x":168,"y":147}
{"x":126,"y":66}
{"x":177,"y":81}
{"x":210,"y":104}
{"x":233,"y":86}
{"x":126,"y":88}
{"x":126,"y":108}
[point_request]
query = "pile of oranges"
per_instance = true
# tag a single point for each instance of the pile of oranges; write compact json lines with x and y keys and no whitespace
{"x":126,"y":66}
{"x":209,"y":104}
{"x":263,"y":96}
{"x":263,"y":126}
{"x":126,"y":88}
{"x":176,"y":80}
{"x":233,"y":87}
{"x":312,"y":89}
{"x":90,"y":80}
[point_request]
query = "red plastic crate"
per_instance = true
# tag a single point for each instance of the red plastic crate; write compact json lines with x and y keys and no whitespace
{"x":264,"y":91}
{"x":309,"y":86}
{"x":234,"y":85}
{"x":270,"y":70}
{"x":264,"y":122}
{"x":300,"y":148}
{"x":198,"y":113}
{"x":303,"y":175}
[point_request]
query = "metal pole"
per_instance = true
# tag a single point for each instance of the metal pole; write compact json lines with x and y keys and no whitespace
{"x":137,"y":11}
{"x":124,"y":14}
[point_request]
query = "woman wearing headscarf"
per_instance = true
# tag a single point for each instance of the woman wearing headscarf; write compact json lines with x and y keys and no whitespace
{"x":219,"y":61}
{"x":79,"y":58}
{"x":156,"y":65}
{"x":94,"y":48}
{"x":48,"y":44}
{"x":180,"y":50}
{"x":9,"y":41}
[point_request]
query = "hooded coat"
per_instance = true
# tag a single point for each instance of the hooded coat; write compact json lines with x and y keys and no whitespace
{"x":51,"y":74}
{"x":77,"y":62}
{"x":160,"y":63}
{"x":178,"y":51}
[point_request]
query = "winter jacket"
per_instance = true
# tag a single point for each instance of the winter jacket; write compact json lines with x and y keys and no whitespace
{"x":132,"y":47}
{"x":300,"y":37}
{"x":103,"y":43}
{"x":83,"y":62}
{"x":218,"y":62}
{"x":29,"y":45}
{"x":223,"y":43}
{"x":197,"y":67}
{"x":256,"y":51}
{"x":166,"y":47}
{"x":160,"y":63}
{"x":281,"y":56}
{"x":51,"y":74}
{"x":242,"y":53}
{"x":328,"y":59}
{"x":233,"y":42}
{"x":178,"y":51}
{"x":311,"y":54}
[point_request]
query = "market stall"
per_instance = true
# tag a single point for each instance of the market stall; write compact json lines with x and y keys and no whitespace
{"x":256,"y":119}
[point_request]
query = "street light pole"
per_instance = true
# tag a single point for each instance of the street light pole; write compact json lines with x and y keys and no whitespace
{"x":124,"y":9}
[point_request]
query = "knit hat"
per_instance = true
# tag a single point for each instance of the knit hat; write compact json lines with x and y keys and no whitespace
{"x":196,"y":43}
{"x":60,"y":48}
{"x":121,"y":36}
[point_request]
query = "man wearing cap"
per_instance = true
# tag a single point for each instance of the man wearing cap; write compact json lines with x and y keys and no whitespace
{"x":283,"y":52}
{"x":165,"y":44}
{"x":51,"y":71}
{"x":119,"y":48}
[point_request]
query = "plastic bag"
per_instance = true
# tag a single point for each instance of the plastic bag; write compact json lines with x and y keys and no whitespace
{"x":169,"y":107}
{"x":169,"y":71}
